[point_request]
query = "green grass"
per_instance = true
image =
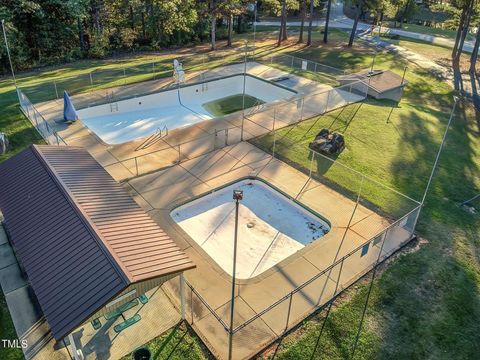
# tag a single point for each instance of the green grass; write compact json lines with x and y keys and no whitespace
{"x":7,"y":331}
{"x":428,"y":50}
{"x":425,"y":304}
{"x":231,"y":104}
{"x":178,"y":343}
{"x":443,"y":33}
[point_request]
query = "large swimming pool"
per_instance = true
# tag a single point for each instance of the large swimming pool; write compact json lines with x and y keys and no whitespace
{"x":139,"y":117}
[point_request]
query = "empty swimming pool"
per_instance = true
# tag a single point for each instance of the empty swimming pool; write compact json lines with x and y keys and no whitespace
{"x":139,"y":117}
{"x":271,"y":226}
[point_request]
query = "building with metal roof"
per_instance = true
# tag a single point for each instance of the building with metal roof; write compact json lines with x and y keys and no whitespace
{"x":380,"y":84}
{"x":85,"y":245}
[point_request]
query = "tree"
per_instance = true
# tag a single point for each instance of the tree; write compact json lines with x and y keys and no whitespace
{"x":358,"y":13}
{"x":462,"y":31}
{"x":327,"y":21}
{"x":474,"y":56}
{"x":310,"y":24}
{"x":303,"y":13}
{"x":282,"y":34}
{"x":230,"y":9}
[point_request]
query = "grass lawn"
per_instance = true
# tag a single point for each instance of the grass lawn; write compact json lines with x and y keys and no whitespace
{"x":7,"y":331}
{"x":231,"y":104}
{"x":428,"y":50}
{"x":444,"y":33}
{"x":178,"y":343}
{"x":427,"y":302}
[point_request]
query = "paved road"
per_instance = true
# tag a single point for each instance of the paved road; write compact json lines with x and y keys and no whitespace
{"x":340,"y":21}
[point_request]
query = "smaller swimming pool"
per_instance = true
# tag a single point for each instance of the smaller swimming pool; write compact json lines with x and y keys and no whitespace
{"x":271,"y":226}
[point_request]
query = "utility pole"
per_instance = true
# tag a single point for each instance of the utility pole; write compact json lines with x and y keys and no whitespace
{"x":237,"y":196}
{"x":8,"y":53}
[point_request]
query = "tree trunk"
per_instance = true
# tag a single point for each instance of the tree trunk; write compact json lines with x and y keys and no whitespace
{"x":310,"y":25}
{"x":327,"y":20}
{"x":355,"y":24}
{"x":230,"y":25}
{"x":239,"y":24}
{"x":474,"y":56}
{"x":144,"y":34}
{"x":466,"y":25}
{"x":132,"y":19}
{"x":96,"y":17}
{"x":459,"y":33}
{"x":407,"y":5}
{"x":302,"y":23}
{"x":284,"y":11}
{"x":213,"y":33}
{"x":283,"y":23}
{"x":81,"y":36}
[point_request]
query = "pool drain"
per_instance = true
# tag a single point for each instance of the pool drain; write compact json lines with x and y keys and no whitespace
{"x":250,"y":225}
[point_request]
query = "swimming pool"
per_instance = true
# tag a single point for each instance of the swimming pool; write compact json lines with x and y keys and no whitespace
{"x":271,"y":226}
{"x":139,"y":117}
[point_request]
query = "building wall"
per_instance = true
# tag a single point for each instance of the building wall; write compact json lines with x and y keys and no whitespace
{"x":130,"y":293}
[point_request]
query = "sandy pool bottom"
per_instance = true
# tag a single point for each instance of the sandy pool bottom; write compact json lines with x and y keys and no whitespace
{"x":271,"y":227}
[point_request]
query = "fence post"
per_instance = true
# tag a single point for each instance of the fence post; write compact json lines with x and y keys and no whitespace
{"x":191,"y":303}
{"x":292,"y":61}
{"x":179,"y":154}
{"x":124,"y":76}
{"x":136,"y":165}
{"x":274,"y":143}
{"x":311,"y":165}
{"x":153,"y":70}
{"x":35,"y":117}
{"x":328,"y":99}
{"x":315,"y":68}
{"x":288,"y":314}
{"x":182,"y":296}
{"x":301,"y":110}
{"x":274,"y":118}
{"x":91,"y":79}
{"x":55,"y":85}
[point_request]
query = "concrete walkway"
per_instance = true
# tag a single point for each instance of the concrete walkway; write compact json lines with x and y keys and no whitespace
{"x":423,"y":62}
{"x":27,"y":316}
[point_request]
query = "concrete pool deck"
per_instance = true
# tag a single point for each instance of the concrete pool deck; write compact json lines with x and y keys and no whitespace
{"x":162,"y":191}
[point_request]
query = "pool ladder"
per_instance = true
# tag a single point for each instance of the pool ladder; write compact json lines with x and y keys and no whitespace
{"x":113,"y":106}
{"x":160,"y":133}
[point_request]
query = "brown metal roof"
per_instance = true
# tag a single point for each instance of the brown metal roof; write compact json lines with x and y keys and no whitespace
{"x":379,"y":80}
{"x":79,"y":235}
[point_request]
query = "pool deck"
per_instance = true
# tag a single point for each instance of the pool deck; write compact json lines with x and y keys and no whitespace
{"x":127,"y":160}
{"x":162,"y":191}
